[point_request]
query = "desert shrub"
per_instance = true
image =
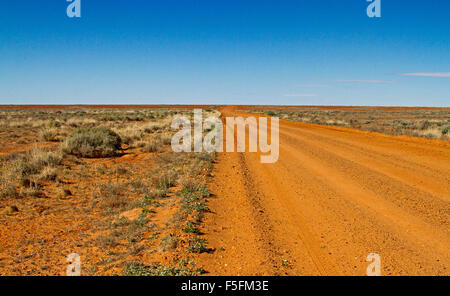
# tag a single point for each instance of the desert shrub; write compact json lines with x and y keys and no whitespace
{"x":48,"y":134}
{"x":33,"y":162}
{"x":167,"y":180}
{"x":208,"y":157}
{"x":425,"y":124}
{"x":140,"y":144}
{"x":134,"y":118}
{"x":138,"y":186}
{"x":34,"y":190}
{"x":192,"y":203}
{"x":153,"y":145}
{"x":190,"y":186}
{"x":136,"y":269}
{"x":169,"y":243}
{"x":81,"y":122}
{"x":149,"y":200}
{"x":92,"y":142}
{"x":54,"y":123}
{"x":197,"y":245}
{"x":48,"y":174}
{"x":165,"y":139}
{"x":112,"y":198}
{"x":191,"y":228}
{"x":38,"y":158}
{"x":25,"y":170}
{"x":156,"y":143}
{"x":8,"y":191}
{"x":194,"y":197}
{"x":445,"y":130}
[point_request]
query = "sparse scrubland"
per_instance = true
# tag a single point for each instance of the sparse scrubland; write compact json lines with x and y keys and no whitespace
{"x":101,"y":183}
{"x":415,"y":122}
{"x":104,"y":183}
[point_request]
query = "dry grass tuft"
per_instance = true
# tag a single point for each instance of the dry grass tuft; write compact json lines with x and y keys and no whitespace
{"x":92,"y":142}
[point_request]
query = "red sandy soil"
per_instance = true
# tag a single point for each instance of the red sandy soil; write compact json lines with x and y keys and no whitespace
{"x":334,"y":196}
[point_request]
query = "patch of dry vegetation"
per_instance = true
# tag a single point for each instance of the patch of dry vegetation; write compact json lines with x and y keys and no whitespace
{"x":21,"y":174}
{"x":415,"y":123}
{"x":92,"y":142}
{"x":114,"y":192}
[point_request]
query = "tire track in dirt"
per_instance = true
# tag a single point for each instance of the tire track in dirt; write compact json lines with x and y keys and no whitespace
{"x":426,"y":233}
{"x":403,"y":169}
{"x":263,"y":224}
{"x":249,"y":251}
{"x":334,"y":196}
{"x":425,"y":153}
{"x":368,"y":178}
{"x":324,"y":264}
{"x":243,"y":206}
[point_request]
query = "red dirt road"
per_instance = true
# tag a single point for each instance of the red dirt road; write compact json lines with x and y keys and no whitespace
{"x":334,"y":196}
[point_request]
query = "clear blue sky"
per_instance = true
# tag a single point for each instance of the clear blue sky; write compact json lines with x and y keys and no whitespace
{"x":225,"y":52}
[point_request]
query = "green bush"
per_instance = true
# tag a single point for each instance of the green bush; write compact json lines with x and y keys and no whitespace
{"x":197,"y":245}
{"x":191,"y":228}
{"x":92,"y":142}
